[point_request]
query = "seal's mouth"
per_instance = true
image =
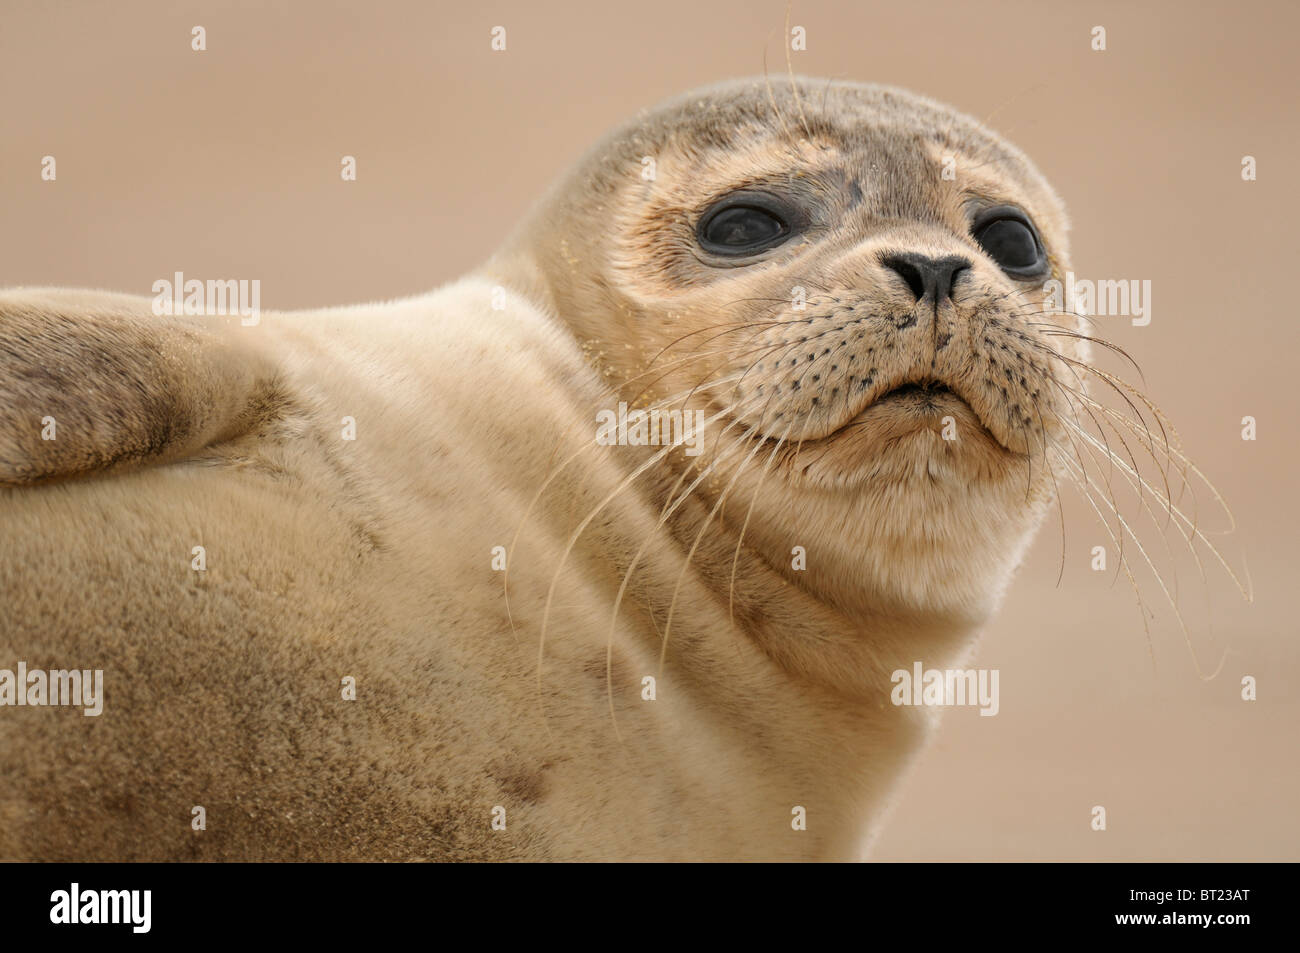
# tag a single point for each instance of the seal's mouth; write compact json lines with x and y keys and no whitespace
{"x":924,"y":391}
{"x":919,"y":402}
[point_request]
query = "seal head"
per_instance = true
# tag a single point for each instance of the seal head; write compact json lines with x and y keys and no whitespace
{"x":848,"y":280}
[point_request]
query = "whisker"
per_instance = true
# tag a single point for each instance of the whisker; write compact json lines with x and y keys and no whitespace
{"x":1169,"y":598}
{"x":1083,"y":483}
{"x":555,"y":473}
{"x":794,"y":87}
{"x":667,"y":511}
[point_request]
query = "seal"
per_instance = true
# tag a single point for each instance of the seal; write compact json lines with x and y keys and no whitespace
{"x":607,"y":550}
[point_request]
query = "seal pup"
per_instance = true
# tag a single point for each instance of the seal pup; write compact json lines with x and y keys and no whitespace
{"x":417,"y":580}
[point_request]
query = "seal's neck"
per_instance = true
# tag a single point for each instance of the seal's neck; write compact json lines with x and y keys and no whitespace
{"x":794,"y":695}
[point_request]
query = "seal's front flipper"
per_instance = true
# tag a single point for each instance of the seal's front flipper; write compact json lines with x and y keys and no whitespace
{"x":91,"y":382}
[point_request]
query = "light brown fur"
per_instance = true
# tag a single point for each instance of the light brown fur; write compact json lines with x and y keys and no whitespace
{"x":475,"y":426}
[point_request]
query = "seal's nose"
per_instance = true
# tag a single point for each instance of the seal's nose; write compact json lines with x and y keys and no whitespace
{"x":925,"y":276}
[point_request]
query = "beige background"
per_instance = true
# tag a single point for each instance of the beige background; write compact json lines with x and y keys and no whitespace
{"x":226,"y":163}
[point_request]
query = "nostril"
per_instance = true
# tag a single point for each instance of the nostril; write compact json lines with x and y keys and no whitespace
{"x":959,"y":265}
{"x":925,"y":275}
{"x":908,"y":272}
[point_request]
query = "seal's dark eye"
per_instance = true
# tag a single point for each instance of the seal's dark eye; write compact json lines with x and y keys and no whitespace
{"x":742,"y":228}
{"x":1011,"y":241}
